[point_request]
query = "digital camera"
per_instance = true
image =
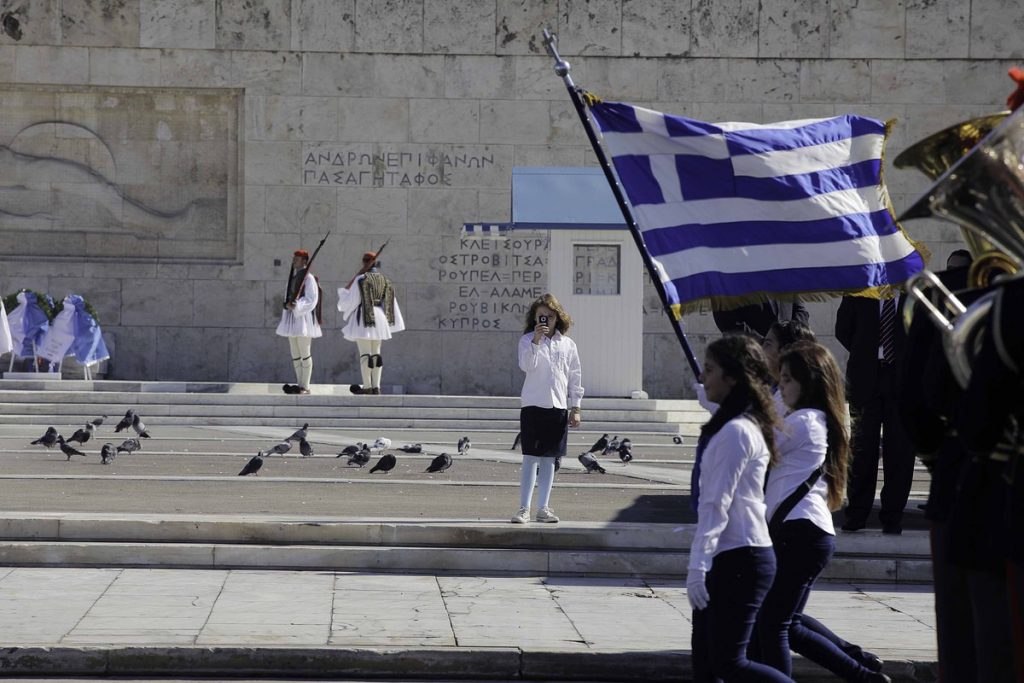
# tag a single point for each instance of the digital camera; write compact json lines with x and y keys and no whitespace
{"x":543,"y":319}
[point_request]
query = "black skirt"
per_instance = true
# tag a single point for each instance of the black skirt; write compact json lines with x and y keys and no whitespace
{"x":545,"y":431}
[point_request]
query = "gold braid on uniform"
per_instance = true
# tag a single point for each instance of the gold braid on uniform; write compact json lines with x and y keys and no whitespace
{"x":376,"y":290}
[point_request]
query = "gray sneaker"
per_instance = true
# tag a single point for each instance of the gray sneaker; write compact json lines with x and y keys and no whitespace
{"x":546,"y":514}
{"x":522,"y":517}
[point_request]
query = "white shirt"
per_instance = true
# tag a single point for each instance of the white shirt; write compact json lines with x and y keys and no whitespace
{"x":301,"y":321}
{"x":802,"y":444}
{"x":731,"y":510}
{"x":553,"y":372}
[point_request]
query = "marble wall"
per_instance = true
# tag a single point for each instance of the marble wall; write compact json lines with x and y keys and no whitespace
{"x":403,"y":119}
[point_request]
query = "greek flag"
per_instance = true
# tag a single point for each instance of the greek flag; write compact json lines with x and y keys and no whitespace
{"x":741,"y":212}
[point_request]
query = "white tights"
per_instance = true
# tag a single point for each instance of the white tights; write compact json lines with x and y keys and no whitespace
{"x":302,"y":359}
{"x":532,"y":463}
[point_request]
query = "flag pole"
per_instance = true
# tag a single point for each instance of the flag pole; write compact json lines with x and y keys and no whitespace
{"x":562,"y":69}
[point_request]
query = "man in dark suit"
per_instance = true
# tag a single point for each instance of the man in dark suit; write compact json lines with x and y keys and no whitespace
{"x":757,"y":319}
{"x":872,"y":331}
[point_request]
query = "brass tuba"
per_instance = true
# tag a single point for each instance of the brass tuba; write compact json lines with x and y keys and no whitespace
{"x":983,"y":192}
{"x":935,"y":156}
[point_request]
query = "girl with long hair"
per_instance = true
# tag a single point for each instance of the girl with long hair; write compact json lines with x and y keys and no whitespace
{"x":550,"y":401}
{"x":731,"y":560}
{"x":804,"y":487}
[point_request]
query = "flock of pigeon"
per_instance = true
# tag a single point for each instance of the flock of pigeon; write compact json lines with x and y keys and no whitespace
{"x":358,"y":454}
{"x":604,"y":446}
{"x":108,"y":451}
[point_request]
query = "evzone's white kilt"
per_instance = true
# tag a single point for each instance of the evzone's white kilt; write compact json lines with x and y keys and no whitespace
{"x":355,"y":330}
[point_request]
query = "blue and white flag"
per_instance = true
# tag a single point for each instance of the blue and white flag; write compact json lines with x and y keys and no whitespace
{"x":88,"y":346}
{"x":28,"y":323}
{"x":739,"y":212}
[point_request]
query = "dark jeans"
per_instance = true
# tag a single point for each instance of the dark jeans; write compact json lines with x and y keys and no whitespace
{"x":802,"y":551}
{"x":869,"y":419}
{"x":737,"y":583}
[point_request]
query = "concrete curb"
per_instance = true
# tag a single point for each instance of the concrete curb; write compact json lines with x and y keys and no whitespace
{"x":479,"y":663}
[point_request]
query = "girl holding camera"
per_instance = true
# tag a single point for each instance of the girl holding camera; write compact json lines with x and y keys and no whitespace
{"x":550,"y":401}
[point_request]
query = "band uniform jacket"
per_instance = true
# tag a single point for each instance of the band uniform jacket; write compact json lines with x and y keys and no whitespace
{"x":857,"y":329}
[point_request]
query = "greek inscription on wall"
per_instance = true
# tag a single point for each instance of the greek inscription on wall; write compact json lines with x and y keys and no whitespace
{"x":491,"y":282}
{"x":406,"y":166}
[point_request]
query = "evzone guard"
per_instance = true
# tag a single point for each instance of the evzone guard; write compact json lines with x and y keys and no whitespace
{"x":301,"y":318}
{"x":372,"y":315}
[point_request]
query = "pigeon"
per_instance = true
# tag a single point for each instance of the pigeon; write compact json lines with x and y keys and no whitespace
{"x":590,"y":463}
{"x":625,"y":451}
{"x":350,"y":450}
{"x":515,"y":443}
{"x":361,"y":458}
{"x":381,"y":443}
{"x":49,"y":439}
{"x":677,"y":439}
{"x":139,"y":428}
{"x":130,"y":446}
{"x":98,"y":421}
{"x":599,"y":445}
{"x":464,"y":445}
{"x":612,"y":446}
{"x":82,"y":435}
{"x":440,"y":463}
{"x":126,"y":421}
{"x":385,"y":464}
{"x":299,"y":434}
{"x":412,"y":448}
{"x":107,"y":453}
{"x":253,"y":466}
{"x":281,"y":448}
{"x":68,"y":450}
{"x":305,"y":448}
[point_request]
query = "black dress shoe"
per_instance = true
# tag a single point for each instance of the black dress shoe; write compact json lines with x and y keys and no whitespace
{"x":892,"y":528}
{"x":853,"y":526}
{"x":871,"y":661}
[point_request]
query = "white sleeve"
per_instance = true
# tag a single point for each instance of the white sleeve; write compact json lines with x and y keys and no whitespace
{"x":348,"y":299}
{"x":575,"y":378}
{"x":702,"y":398}
{"x":310,"y":296}
{"x":527,"y":353}
{"x":721,"y":468}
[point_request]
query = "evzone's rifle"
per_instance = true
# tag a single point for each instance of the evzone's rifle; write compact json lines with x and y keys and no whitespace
{"x":366,"y":267}
{"x":289,"y":295}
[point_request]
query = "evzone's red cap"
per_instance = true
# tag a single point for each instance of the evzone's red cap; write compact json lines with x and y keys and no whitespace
{"x":301,"y":252}
{"x":369,"y":256}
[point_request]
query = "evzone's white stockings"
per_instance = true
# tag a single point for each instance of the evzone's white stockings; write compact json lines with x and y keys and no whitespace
{"x":531,"y":464}
{"x":302,"y":359}
{"x":371,"y":376}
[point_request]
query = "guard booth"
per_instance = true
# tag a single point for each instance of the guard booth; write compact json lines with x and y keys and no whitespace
{"x":593,"y":269}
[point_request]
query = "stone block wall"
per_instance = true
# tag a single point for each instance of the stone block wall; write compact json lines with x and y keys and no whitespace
{"x":438,"y":101}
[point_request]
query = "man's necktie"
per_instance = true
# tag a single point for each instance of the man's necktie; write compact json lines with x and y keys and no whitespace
{"x":887,"y":330}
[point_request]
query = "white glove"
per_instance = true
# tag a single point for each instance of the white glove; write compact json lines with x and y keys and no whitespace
{"x":696,"y":588}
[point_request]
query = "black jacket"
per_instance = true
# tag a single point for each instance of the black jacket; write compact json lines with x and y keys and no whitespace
{"x":857,"y":329}
{"x":758,"y":318}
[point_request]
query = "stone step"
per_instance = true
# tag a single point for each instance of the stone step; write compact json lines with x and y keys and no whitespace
{"x":616,"y":549}
{"x":375,"y":425}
